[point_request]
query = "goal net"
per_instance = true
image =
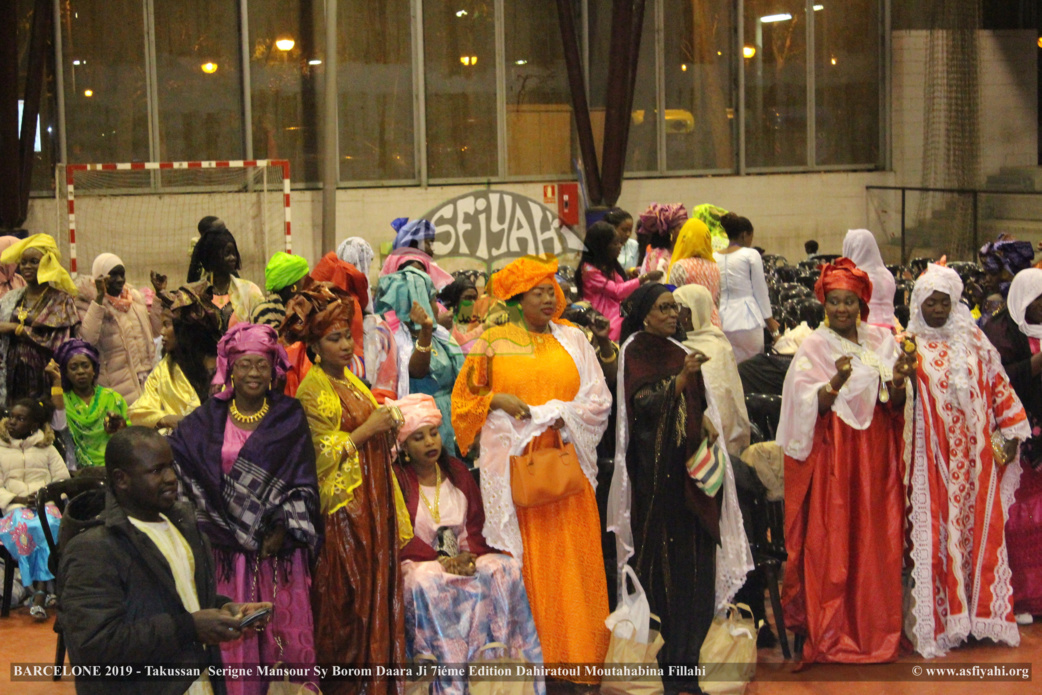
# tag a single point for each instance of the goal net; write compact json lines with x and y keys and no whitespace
{"x":147,"y":213}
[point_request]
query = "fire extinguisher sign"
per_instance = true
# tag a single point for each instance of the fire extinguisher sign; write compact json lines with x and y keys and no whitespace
{"x":549,"y":194}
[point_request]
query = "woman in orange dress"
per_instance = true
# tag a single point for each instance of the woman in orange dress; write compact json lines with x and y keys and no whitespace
{"x":522,"y":381}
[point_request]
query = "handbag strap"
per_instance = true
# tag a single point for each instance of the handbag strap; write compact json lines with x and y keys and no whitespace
{"x":531,"y":442}
{"x":274,"y":595}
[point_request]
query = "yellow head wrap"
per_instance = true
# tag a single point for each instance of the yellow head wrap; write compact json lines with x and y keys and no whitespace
{"x":694,"y":241}
{"x":51,"y":269}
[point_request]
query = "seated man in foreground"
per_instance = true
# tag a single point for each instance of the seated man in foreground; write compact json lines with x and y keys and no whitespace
{"x":139,"y":588}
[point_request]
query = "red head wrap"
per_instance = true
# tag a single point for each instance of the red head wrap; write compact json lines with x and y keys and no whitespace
{"x":351,"y":280}
{"x":844,"y":275}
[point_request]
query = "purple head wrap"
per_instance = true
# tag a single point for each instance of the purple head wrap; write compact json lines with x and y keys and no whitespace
{"x":248,"y":339}
{"x":659,"y":219}
{"x":410,"y":231}
{"x":69,"y":349}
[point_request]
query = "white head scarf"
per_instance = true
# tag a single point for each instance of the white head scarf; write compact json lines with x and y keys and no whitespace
{"x":860,"y":246}
{"x":958,"y":331}
{"x":1025,"y":288}
{"x":356,"y":251}
{"x":104,"y":264}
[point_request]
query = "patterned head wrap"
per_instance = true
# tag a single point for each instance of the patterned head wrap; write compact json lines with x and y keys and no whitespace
{"x":69,"y":349}
{"x":51,"y":270}
{"x":1025,"y":288}
{"x":694,"y":241}
{"x":710,"y":214}
{"x":356,"y":251}
{"x":186,"y":305}
{"x":248,"y":339}
{"x":104,"y":264}
{"x":844,"y":275}
{"x":419,"y":410}
{"x":283,"y":270}
{"x":408,"y":232}
{"x":659,"y":219}
{"x":315,"y":312}
{"x":1006,"y":254}
{"x":525,"y":273}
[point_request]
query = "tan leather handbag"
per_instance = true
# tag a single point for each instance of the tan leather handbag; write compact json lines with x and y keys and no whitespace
{"x":542,"y":476}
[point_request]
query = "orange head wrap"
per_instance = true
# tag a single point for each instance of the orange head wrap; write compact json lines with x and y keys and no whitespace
{"x":844,"y":275}
{"x":525,"y":273}
{"x":316,"y":311}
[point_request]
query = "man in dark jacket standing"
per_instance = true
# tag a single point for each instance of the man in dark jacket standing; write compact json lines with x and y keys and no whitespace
{"x":138,"y":590}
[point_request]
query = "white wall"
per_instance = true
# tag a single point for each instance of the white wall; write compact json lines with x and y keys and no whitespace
{"x":1008,"y":103}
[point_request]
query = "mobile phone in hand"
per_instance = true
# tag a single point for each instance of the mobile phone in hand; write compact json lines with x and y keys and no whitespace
{"x":253,"y":618}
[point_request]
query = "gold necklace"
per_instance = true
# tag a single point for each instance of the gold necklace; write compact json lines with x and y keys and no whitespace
{"x":436,"y":509}
{"x":248,"y":419}
{"x":347,"y":385}
{"x":23,"y":312}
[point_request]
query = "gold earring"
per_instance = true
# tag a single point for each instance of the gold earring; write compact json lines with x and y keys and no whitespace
{"x":857,"y":321}
{"x":318,"y":359}
{"x":826,"y":322}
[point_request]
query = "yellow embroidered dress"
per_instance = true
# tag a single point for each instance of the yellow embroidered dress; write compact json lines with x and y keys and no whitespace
{"x":357,"y":583}
{"x":167,"y":392}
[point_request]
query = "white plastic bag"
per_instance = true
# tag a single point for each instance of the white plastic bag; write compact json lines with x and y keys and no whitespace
{"x":633,"y":615}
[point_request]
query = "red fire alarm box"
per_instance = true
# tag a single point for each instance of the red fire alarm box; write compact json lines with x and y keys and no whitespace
{"x":568,"y":203}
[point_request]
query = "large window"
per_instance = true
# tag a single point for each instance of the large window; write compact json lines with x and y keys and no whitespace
{"x":469,"y":90}
{"x":776,"y":83}
{"x":375,"y":85}
{"x":106,"y":97}
{"x":698,"y":67}
{"x":286,"y":57}
{"x":199,"y":85}
{"x":459,"y":46}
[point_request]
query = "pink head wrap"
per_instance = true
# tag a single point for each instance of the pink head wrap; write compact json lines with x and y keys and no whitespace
{"x":248,"y":339}
{"x":419,"y":410}
{"x":659,"y":219}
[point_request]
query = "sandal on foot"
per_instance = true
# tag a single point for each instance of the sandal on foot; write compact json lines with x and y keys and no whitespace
{"x":51,"y":601}
{"x":39,"y":613}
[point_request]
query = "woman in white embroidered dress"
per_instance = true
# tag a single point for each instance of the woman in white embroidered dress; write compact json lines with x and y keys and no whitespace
{"x":963,"y":476}
{"x":745,"y":306}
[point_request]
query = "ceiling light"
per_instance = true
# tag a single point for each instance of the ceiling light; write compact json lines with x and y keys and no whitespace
{"x":461,"y":13}
{"x":683,"y":67}
{"x":833,"y":60}
{"x":285,"y":44}
{"x":314,"y":61}
{"x":468,"y":60}
{"x":521,"y":62}
{"x":776,"y":18}
{"x":209,"y":67}
{"x":748,"y":51}
{"x":88,"y":93}
{"x":76,"y":62}
{"x":819,"y":8}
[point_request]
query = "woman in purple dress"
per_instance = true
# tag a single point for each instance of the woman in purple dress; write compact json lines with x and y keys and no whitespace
{"x":245,"y":459}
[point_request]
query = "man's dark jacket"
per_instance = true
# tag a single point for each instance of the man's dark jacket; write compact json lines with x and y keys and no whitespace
{"x":119,"y":604}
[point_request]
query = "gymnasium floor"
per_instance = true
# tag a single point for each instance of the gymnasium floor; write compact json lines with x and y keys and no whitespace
{"x":22,"y":640}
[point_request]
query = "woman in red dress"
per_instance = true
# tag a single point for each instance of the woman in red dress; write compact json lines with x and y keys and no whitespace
{"x":841,"y":428}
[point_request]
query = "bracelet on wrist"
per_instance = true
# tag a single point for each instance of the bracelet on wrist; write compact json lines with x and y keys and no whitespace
{"x":423,"y":348}
{"x":831,"y":391}
{"x":57,"y":391}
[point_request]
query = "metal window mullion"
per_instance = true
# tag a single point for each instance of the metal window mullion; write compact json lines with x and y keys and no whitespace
{"x":247,"y":85}
{"x":740,"y":57}
{"x":885,"y":88}
{"x":501,"y":87}
{"x":59,"y":89}
{"x":812,"y":155}
{"x":660,"y":84}
{"x":419,"y":101}
{"x":152,"y":82}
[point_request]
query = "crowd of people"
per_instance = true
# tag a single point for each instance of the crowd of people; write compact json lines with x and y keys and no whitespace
{"x":438,"y":464}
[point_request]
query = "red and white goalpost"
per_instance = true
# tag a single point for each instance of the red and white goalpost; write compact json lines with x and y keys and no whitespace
{"x":147,"y":213}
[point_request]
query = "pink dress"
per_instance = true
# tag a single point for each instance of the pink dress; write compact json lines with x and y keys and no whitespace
{"x":292,"y":621}
{"x":699,"y":271}
{"x":606,"y":295}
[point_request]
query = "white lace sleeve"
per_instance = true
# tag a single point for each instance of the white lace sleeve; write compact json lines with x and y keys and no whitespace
{"x":585,"y":418}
